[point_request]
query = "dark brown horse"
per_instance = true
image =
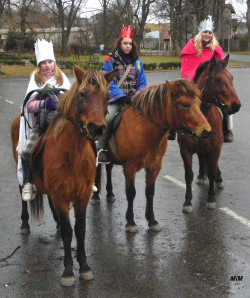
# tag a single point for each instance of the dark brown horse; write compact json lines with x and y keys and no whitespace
{"x":218,"y":93}
{"x":64,"y":162}
{"x":141,"y":138}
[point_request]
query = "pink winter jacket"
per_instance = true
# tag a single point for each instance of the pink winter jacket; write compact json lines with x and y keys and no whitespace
{"x":190,"y":61}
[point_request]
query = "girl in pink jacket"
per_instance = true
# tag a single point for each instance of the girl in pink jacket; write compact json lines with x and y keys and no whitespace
{"x":199,"y":49}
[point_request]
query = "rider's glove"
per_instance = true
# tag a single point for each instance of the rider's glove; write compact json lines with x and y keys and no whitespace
{"x":50,"y":104}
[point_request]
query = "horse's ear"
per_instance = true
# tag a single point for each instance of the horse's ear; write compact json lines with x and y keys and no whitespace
{"x":109,"y":76}
{"x":79,"y":73}
{"x":226,"y":60}
{"x":211,"y":64}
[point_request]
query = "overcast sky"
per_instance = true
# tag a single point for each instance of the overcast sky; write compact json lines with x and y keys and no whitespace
{"x":240,"y":8}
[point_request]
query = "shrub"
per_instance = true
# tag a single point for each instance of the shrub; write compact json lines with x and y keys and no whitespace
{"x":12,"y":62}
{"x":149,"y":66}
{"x":169,"y":65}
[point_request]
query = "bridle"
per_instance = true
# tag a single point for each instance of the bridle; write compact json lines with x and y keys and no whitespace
{"x":216,"y":102}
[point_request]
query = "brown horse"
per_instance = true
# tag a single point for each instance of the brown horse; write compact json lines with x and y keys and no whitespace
{"x":64,"y":162}
{"x":141,"y":138}
{"x":218,"y":93}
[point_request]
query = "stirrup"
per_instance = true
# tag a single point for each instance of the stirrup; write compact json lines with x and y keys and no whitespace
{"x":102,"y":159}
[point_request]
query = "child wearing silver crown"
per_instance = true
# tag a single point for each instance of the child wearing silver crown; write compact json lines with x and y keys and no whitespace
{"x":46,"y":74}
{"x":199,"y":49}
{"x":129,"y":79}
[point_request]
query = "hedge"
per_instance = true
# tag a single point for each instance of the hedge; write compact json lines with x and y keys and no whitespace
{"x":169,"y":65}
{"x":12,"y":62}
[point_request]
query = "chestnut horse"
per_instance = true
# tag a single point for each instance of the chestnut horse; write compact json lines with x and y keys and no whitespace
{"x":64,"y":162}
{"x":141,"y":138}
{"x":218,"y":93}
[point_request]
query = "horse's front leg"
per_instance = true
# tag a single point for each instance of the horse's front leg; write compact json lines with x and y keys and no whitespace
{"x":80,"y":230}
{"x":218,"y":179}
{"x":150,"y":191}
{"x":109,"y":187}
{"x":62,"y":209}
{"x":130,"y":193}
{"x":95,"y":199}
{"x":201,"y":177}
{"x":187,"y":160}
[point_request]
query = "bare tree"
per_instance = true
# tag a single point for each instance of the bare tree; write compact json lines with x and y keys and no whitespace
{"x":248,"y":22}
{"x":114,"y":13}
{"x":65,"y":12}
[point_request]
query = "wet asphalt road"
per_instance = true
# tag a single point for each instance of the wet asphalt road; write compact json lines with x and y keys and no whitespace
{"x":194,"y":255}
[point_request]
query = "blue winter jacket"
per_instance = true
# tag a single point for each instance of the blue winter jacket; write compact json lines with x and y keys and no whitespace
{"x":115,"y":92}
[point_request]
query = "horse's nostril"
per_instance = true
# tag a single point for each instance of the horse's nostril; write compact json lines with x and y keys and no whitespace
{"x":205,"y":134}
{"x":235,"y":107}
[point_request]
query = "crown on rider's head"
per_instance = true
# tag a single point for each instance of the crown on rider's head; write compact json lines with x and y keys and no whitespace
{"x":206,"y":25}
{"x":44,"y":51}
{"x":127,"y":31}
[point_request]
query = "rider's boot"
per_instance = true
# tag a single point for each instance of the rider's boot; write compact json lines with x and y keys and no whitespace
{"x":28,"y":191}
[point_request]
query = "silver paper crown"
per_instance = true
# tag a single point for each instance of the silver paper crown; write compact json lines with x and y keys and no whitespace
{"x":206,"y":25}
{"x":44,"y":51}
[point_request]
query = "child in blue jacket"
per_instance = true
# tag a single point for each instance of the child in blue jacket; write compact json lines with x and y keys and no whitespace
{"x":129,"y":79}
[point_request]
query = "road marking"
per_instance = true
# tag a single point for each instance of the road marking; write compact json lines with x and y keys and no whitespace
{"x":241,"y":219}
{"x":176,"y":181}
{"x":9,"y":101}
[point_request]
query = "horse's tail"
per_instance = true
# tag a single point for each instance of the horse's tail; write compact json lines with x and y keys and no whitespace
{"x":36,"y":206}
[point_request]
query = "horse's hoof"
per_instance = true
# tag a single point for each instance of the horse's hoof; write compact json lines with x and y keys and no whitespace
{"x":219,"y":185}
{"x":25,"y":231}
{"x":95,"y":201}
{"x":67,"y":281}
{"x":211,"y":205}
{"x":110,"y":199}
{"x":131,"y":229}
{"x":200,"y":181}
{"x":187,"y":209}
{"x":87,"y":275}
{"x":155,"y":228}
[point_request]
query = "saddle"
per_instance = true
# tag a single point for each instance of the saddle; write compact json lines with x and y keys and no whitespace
{"x":111,"y":142}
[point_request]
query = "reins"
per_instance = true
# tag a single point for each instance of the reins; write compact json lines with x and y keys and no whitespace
{"x":216,"y":102}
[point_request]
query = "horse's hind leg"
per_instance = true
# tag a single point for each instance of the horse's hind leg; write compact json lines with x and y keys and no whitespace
{"x":62,"y":210}
{"x":218,"y":179}
{"x":212,"y":170}
{"x":55,"y":216}
{"x":150,"y":191}
{"x":109,"y":187}
{"x":187,"y":159}
{"x":25,"y":227}
{"x":130,"y":193}
{"x":80,"y":230}
{"x":95,"y":199}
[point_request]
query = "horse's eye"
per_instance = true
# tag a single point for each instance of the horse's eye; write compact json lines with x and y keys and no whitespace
{"x":217,"y":80}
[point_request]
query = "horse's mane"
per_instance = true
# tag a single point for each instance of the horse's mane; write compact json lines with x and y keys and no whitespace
{"x":93,"y":82}
{"x":219,"y":66}
{"x":152,"y":100}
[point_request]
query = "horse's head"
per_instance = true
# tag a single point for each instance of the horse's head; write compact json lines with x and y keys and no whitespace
{"x":85,"y":104}
{"x":216,"y":85}
{"x":183,"y":109}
